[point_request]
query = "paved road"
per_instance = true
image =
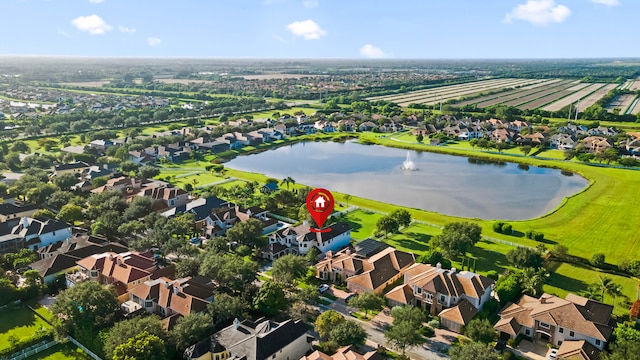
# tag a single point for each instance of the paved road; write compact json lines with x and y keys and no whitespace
{"x":375,"y":333}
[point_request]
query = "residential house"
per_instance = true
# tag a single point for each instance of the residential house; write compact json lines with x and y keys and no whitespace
{"x":518,"y":125}
{"x":71,"y":168}
{"x":174,"y":152}
{"x":61,"y":262}
{"x":454,"y":296}
{"x":287,"y":129}
{"x":392,"y":126}
{"x":124,"y":271}
{"x":164,"y":196}
{"x":370,"y":266}
{"x":101,"y":145}
{"x":269,"y":187}
{"x":575,"y":130}
{"x":141,"y":157}
{"x":603,"y":131}
{"x":222,"y":219}
{"x":300,"y":239}
{"x":534,"y":139}
{"x":169,"y":298}
{"x":347,"y":124}
{"x":201,"y":208}
{"x":344,"y":353}
{"x":41,"y":231}
{"x":502,"y":135}
{"x":556,"y":320}
{"x":563,"y":141}
{"x":10,"y":212}
{"x":324,"y":126}
{"x":254,"y":340}
{"x":596,"y":144}
{"x":578,"y":350}
{"x":367,"y":126}
{"x":11,"y":243}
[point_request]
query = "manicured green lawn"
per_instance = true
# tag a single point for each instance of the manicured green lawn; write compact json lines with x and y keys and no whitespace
{"x":586,"y":223}
{"x":569,"y":278}
{"x":362,"y":222}
{"x":201,"y":179}
{"x":414,"y":238}
{"x":20,"y":323}
{"x":232,"y":184}
{"x":66,"y":351}
{"x":291,"y":111}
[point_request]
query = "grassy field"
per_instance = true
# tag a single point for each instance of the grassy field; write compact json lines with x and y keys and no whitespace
{"x":585,"y":222}
{"x":569,"y":278}
{"x":20,"y":323}
{"x":66,"y":351}
{"x":362,"y":222}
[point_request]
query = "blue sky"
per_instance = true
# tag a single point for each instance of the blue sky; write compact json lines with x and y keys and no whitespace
{"x":398,"y":29}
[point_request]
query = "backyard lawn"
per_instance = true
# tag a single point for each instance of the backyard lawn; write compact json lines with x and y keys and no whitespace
{"x":573,"y":278}
{"x":66,"y":351}
{"x":362,"y":223}
{"x":19,"y":323}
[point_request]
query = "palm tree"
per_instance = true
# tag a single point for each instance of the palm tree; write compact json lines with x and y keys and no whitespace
{"x":347,"y":197}
{"x":532,"y":280}
{"x":592,"y":292}
{"x":614,"y":292}
{"x":606,"y":285}
{"x":288,"y":180}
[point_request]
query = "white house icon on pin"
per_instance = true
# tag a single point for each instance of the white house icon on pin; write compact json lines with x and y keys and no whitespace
{"x":320,"y":202}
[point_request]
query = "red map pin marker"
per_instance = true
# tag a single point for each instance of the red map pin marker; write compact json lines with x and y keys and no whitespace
{"x":320,"y":205}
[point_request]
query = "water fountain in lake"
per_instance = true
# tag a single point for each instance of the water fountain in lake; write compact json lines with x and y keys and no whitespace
{"x":408,"y":164}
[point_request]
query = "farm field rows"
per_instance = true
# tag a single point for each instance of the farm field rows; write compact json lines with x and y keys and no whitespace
{"x":552,"y":97}
{"x":621,"y":102}
{"x":439,"y":89}
{"x":593,"y":98}
{"x":579,"y":95}
{"x":533,"y":97}
{"x":519,"y":93}
{"x":529,"y":89}
{"x":436,"y":98}
{"x":636,"y":107}
{"x":636,"y":85}
{"x":626,"y":85}
{"x":454,"y":91}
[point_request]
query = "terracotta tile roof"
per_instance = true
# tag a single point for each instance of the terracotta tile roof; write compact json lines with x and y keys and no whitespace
{"x":441,"y":281}
{"x":582,"y":315}
{"x":578,"y":350}
{"x":401,"y":294}
{"x":382,"y":267}
{"x":461,"y":313}
{"x":344,"y":353}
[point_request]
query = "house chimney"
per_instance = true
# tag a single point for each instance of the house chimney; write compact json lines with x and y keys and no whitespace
{"x":305,"y":222}
{"x":236,"y":323}
{"x":438,"y":266}
{"x":348,"y":252}
{"x":176,"y":290}
{"x":25,"y":222}
{"x":329,"y":254}
{"x":119,"y":261}
{"x":453,"y":270}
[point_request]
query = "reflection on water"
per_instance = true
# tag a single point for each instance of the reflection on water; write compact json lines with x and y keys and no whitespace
{"x":452,"y":185}
{"x":524,"y":167}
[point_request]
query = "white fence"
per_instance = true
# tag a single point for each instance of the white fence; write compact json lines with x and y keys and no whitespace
{"x":32,"y":350}
{"x":84,"y":348}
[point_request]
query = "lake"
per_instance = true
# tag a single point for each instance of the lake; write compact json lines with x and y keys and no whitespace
{"x":452,"y":185}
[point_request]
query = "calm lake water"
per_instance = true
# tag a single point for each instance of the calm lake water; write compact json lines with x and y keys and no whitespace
{"x":452,"y":185}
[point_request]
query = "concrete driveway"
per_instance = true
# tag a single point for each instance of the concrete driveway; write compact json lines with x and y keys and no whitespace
{"x":532,"y":350}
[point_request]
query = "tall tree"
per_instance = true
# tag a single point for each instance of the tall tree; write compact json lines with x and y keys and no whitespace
{"x":225,"y":308}
{"x":143,"y":346}
{"x":480,"y":330}
{"x":457,"y":238}
{"x":246,"y":233}
{"x":288,"y":268}
{"x":87,"y":303}
{"x":126,"y":329}
{"x":402,"y":216}
{"x":191,"y":329}
{"x":348,"y":333}
{"x":270,"y":299}
{"x":288,"y":181}
{"x":367,"y":301}
{"x":405,"y":331}
{"x":233,"y":274}
{"x":387,"y":224}
{"x":327,"y":321}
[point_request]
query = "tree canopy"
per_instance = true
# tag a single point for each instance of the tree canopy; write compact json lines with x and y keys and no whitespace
{"x":126,"y":329}
{"x":457,"y":238}
{"x":191,"y":329}
{"x":288,"y":268}
{"x":327,"y":321}
{"x":270,"y":299}
{"x":143,"y":346}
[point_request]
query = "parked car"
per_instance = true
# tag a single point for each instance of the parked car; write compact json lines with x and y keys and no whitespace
{"x":322,"y":288}
{"x":500,"y":346}
{"x":553,"y":355}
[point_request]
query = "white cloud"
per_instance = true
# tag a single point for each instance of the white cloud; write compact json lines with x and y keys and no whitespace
{"x":96,"y":1}
{"x":372,"y":52}
{"x":93,"y":24}
{"x":125,"y":29}
{"x":65,"y":34}
{"x":153,"y":41}
{"x":308,"y":29}
{"x":310,"y":3}
{"x":279,"y":38}
{"x":607,"y":2}
{"x":538,"y":12}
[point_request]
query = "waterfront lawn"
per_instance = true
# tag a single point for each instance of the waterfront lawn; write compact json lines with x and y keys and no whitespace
{"x":585,"y":223}
{"x":290,"y":111}
{"x":202,"y":178}
{"x":362,"y":223}
{"x":414,"y":238}
{"x":575,"y":278}
{"x":66,"y":351}
{"x":20,"y":323}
